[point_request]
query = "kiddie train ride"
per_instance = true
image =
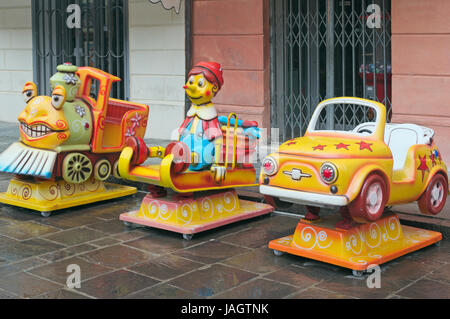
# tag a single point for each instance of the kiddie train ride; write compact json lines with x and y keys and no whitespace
{"x":70,"y":142}
{"x":192,"y":189}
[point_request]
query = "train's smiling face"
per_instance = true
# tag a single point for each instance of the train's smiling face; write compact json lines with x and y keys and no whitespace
{"x":42,"y":122}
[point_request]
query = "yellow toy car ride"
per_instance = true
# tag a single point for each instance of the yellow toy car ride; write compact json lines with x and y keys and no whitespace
{"x":351,"y":158}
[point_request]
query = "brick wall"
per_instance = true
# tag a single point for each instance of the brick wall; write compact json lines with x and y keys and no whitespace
{"x":421,"y":66}
{"x":157,"y":64}
{"x":16,"y":57}
{"x":235,"y":33}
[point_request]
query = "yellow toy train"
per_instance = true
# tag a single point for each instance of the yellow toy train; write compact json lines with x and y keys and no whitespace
{"x":70,"y":142}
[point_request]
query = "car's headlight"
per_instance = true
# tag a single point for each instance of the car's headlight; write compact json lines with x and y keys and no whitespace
{"x":328,"y":173}
{"x":269,"y":166}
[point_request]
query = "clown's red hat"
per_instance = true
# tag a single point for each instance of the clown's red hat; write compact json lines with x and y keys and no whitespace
{"x":211,"y":70}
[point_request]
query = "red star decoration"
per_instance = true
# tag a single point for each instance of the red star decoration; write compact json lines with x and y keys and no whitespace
{"x":423,"y":165}
{"x":433,"y":159}
{"x":342,"y":145}
{"x":290,"y":142}
{"x":365,"y":146}
{"x":319,"y":147}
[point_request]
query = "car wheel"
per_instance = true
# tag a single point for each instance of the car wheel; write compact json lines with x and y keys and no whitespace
{"x":370,"y":203}
{"x":276,"y":202}
{"x":433,"y":199}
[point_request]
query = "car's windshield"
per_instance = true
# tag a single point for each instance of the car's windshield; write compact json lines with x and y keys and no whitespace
{"x":353,"y":119}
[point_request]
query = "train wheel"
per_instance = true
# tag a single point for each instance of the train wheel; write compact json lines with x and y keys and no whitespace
{"x":116,"y":169}
{"x":76,"y":168}
{"x":102,"y":170}
{"x":433,"y":199}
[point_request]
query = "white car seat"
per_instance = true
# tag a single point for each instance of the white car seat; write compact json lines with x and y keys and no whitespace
{"x":399,"y":138}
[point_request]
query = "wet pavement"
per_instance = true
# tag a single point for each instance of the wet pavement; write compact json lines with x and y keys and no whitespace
{"x":230,"y":262}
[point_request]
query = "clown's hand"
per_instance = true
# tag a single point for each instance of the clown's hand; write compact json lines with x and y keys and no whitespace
{"x":219,"y":172}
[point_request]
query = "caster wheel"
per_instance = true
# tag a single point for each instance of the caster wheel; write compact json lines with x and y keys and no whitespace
{"x":278,"y":253}
{"x":188,"y":236}
{"x":45,"y":214}
{"x":358,"y":273}
{"x":128,"y":224}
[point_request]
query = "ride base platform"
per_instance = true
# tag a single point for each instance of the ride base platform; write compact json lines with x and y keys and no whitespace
{"x":194,"y":213}
{"x":48,"y":196}
{"x":357,"y":248}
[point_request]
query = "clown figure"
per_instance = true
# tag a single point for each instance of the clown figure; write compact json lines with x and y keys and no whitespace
{"x":201,"y":131}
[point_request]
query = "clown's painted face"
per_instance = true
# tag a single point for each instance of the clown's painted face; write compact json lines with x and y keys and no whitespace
{"x":42,"y":122}
{"x":200,"y":90}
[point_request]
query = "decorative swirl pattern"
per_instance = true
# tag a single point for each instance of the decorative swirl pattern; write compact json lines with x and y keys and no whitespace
{"x":375,"y":236}
{"x":49,"y":194}
{"x":163,"y":212}
{"x":33,"y":109}
{"x":207,"y":207}
{"x":152,"y":210}
{"x":101,"y":122}
{"x":73,"y":90}
{"x":310,"y":236}
{"x":68,"y":189}
{"x":61,"y":124}
{"x":354,"y":241}
{"x":322,"y":235}
{"x":92,"y":185}
{"x":186,"y":214}
{"x":364,"y":260}
{"x":77,"y":127}
{"x":285,"y":240}
{"x":26,"y":192}
{"x":393,"y":228}
{"x":229,"y":202}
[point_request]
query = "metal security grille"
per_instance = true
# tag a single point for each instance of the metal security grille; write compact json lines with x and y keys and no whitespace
{"x":101,"y":41}
{"x":344,"y":117}
{"x":323,"y":49}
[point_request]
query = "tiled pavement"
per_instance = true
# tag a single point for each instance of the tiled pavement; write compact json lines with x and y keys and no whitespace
{"x":230,"y":262}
